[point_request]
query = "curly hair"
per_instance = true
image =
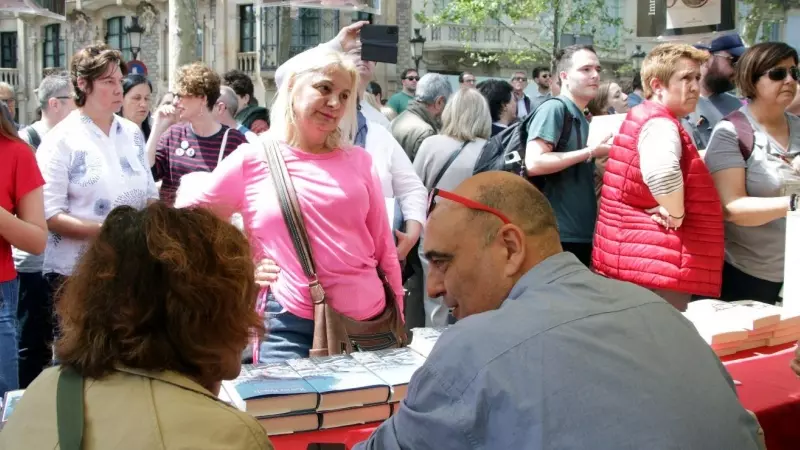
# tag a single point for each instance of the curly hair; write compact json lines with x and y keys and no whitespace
{"x":160,"y":289}
{"x":90,"y":63}
{"x":198,"y":80}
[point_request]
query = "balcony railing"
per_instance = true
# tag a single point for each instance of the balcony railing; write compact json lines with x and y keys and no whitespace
{"x":246,"y":62}
{"x":10,"y":76}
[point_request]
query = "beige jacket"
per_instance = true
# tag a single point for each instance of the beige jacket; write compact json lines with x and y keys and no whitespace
{"x":413,"y":126}
{"x":133,"y":410}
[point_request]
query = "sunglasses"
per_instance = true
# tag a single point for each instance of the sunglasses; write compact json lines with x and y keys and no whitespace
{"x":412,"y":78}
{"x":471,"y":204}
{"x":519,"y":79}
{"x":779,"y":73}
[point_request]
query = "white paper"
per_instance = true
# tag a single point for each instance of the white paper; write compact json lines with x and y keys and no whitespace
{"x":791,"y":268}
{"x":693,"y":13}
{"x":602,"y":126}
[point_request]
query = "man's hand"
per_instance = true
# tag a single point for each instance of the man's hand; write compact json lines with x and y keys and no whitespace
{"x":795,"y":364}
{"x":405,"y":243}
{"x":266,"y":272}
{"x":348,"y":36}
{"x":604,"y":147}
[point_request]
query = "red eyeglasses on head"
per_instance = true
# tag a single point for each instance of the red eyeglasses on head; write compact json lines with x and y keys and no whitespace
{"x":471,"y":204}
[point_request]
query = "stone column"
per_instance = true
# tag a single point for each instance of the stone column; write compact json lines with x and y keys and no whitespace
{"x":25,"y":73}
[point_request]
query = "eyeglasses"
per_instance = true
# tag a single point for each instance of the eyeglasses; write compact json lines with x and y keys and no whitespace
{"x":412,"y":78}
{"x":471,"y":204}
{"x":730,"y":58}
{"x":779,"y":73}
{"x":519,"y":79}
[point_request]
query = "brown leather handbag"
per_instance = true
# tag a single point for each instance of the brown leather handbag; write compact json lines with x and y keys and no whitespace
{"x":334,"y":333}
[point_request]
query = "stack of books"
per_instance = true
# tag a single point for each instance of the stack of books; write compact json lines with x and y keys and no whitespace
{"x":743,"y":325}
{"x":329,"y":392}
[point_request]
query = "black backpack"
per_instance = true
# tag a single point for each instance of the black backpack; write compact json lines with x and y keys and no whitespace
{"x":506,"y":150}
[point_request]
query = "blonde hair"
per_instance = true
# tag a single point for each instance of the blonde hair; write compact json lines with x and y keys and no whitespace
{"x":660,"y":63}
{"x":466,"y":116}
{"x":283,"y":123}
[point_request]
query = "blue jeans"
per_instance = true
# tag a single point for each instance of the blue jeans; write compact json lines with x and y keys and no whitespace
{"x":9,"y":359}
{"x":288,"y":336}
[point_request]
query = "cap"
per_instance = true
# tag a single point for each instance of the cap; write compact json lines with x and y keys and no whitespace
{"x":730,"y":43}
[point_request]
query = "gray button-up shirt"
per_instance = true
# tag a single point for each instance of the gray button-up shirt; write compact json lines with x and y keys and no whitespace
{"x":571,"y":360}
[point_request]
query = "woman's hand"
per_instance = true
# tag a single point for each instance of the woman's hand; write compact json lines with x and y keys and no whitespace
{"x":164,"y":117}
{"x":266,"y":272}
{"x":348,"y":36}
{"x":661,"y":216}
{"x":795,"y":364}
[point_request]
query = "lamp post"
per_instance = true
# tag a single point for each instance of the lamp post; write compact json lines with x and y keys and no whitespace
{"x":637,"y":57}
{"x":135,"y":36}
{"x":417,"y":45}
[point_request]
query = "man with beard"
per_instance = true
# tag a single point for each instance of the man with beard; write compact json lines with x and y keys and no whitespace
{"x":716,"y":82}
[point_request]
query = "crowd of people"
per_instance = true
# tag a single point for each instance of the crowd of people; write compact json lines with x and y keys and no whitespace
{"x":131,"y":271}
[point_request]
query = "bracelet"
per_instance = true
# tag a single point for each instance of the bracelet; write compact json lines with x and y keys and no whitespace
{"x":793,"y":202}
{"x":591,"y":155}
{"x":678,"y":218}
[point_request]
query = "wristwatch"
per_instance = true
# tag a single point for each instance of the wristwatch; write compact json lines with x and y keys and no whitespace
{"x":793,"y":202}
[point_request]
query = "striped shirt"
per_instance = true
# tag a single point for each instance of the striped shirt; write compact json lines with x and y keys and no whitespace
{"x":660,"y":156}
{"x":180,"y":151}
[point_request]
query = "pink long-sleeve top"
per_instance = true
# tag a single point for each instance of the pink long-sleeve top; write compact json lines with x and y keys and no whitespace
{"x":345,"y":216}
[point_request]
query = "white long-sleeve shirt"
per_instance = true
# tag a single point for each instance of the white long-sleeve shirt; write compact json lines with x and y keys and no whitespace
{"x":398,"y":178}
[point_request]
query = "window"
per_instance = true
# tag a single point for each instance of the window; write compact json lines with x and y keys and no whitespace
{"x":53,"y":47}
{"x":117,"y":37}
{"x":305,"y":30}
{"x":361,"y":15}
{"x":8,"y":50}
{"x":247,"y":29}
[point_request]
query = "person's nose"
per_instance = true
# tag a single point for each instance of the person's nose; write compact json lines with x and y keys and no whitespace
{"x":435,"y":284}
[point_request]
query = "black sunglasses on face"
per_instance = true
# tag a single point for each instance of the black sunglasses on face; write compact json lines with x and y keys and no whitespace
{"x":412,"y":78}
{"x":779,"y":73}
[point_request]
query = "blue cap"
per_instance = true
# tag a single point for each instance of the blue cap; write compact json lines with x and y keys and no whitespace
{"x":730,"y":43}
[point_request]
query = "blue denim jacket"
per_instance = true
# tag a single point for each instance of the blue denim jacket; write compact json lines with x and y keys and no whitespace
{"x":572,"y":361}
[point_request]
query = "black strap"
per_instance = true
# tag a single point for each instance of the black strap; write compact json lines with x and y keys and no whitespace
{"x":292,"y":216}
{"x":33,"y":137}
{"x":69,"y":409}
{"x":447,"y":164}
{"x":745,"y":135}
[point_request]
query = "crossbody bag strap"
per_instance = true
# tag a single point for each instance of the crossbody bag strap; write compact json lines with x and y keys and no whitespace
{"x":222,"y":147}
{"x":69,"y":409}
{"x":447,"y":164}
{"x":290,"y":207}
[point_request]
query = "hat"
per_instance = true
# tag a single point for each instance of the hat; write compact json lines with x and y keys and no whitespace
{"x":730,"y":43}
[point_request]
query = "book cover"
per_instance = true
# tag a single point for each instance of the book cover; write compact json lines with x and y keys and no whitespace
{"x":423,"y":339}
{"x":10,"y":400}
{"x":341,"y":381}
{"x":395,"y":366}
{"x":270,"y":389}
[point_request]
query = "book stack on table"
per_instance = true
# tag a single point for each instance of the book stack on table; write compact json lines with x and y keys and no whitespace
{"x":743,"y":325}
{"x":328,"y":392}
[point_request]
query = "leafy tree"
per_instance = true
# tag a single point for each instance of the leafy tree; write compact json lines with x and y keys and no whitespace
{"x":757,"y":13}
{"x":552,"y":17}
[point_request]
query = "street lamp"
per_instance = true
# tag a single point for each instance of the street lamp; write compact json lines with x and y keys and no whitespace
{"x":135,"y":36}
{"x":637,"y":57}
{"x":417,"y":45}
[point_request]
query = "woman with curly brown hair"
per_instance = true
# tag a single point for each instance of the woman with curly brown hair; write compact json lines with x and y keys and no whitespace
{"x":186,"y":138}
{"x":154,"y":317}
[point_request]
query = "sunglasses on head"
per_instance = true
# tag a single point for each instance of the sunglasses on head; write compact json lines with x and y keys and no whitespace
{"x":471,"y":204}
{"x":412,"y":78}
{"x":779,"y":73}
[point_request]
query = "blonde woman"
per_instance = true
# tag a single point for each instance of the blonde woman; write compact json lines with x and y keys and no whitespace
{"x":447,"y":159}
{"x":340,"y":197}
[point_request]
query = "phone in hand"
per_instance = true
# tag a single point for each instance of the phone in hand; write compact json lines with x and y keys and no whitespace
{"x":379,"y":43}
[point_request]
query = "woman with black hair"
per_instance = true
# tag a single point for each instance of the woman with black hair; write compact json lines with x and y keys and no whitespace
{"x":136,"y":95}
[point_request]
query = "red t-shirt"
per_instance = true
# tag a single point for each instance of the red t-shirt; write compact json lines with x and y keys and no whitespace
{"x":19,"y":175}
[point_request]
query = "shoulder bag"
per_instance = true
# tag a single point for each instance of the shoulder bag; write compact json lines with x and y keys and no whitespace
{"x":334,"y":333}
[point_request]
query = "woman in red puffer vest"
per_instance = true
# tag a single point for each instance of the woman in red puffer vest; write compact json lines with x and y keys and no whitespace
{"x":660,"y":217}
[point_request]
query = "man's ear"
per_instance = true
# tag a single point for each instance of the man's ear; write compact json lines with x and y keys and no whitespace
{"x":514,"y":241}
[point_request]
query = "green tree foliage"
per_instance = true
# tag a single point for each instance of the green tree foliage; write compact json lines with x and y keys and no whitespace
{"x":549,"y":18}
{"x":754,"y":14}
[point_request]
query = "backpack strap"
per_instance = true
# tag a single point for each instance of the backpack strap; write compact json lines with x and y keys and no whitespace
{"x":566,"y":127}
{"x":744,"y":132}
{"x":69,"y":409}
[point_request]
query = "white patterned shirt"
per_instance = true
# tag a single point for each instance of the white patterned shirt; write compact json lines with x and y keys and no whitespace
{"x":87,"y":174}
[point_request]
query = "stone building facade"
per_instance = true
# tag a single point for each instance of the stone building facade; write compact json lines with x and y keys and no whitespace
{"x":231,"y":34}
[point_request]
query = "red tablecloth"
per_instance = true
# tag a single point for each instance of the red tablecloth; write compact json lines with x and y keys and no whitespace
{"x":768,"y":388}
